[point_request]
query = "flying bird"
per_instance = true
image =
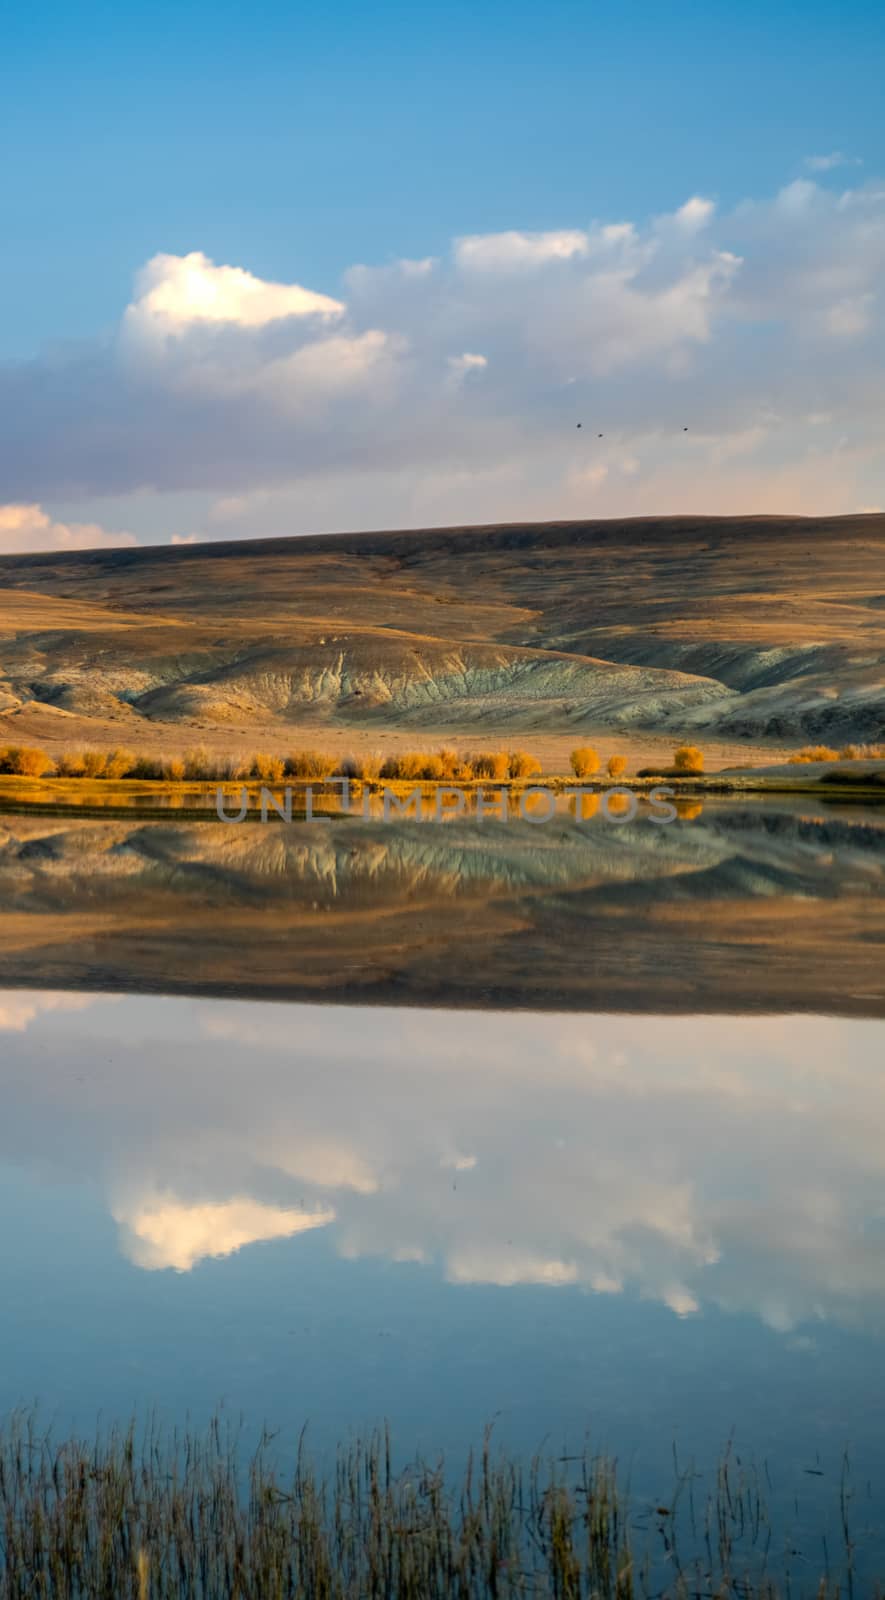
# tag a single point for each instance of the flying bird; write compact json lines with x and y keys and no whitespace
{"x":578,"y":424}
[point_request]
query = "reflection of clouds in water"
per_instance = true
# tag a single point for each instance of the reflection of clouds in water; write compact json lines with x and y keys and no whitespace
{"x":483,"y":1266}
{"x":732,"y":1161}
{"x":165,"y":1232}
{"x":19,"y":1007}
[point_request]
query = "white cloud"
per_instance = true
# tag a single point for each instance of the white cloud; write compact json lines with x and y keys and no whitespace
{"x":25,"y":528}
{"x":460,"y":367}
{"x":797,"y":196}
{"x":283,"y":407}
{"x":829,"y":162}
{"x":468,"y":362}
{"x":506,"y":252}
{"x":695,"y":214}
{"x":327,"y":367}
{"x":174,"y":292}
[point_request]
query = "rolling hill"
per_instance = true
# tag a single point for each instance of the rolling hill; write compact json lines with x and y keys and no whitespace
{"x":761,"y":629}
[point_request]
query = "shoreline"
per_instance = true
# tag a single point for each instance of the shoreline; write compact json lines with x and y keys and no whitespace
{"x":86,"y":797}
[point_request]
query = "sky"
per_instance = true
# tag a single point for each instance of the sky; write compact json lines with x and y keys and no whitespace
{"x":286,"y":269}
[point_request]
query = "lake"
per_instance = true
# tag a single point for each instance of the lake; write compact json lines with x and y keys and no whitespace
{"x":579,"y":1127}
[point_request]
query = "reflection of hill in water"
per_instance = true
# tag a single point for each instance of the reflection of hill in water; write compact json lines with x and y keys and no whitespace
{"x":567,"y":913}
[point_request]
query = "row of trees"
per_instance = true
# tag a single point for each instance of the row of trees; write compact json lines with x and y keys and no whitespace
{"x":585,"y":761}
{"x":200,"y":766}
{"x":849,"y":752}
{"x":440,"y":766}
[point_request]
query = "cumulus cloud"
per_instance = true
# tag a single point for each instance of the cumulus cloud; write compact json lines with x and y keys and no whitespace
{"x":506,"y":252}
{"x":695,"y":214}
{"x":174,"y":292}
{"x":29,"y":527}
{"x":447,"y":388}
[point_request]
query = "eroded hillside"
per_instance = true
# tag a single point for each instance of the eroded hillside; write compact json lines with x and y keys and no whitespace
{"x":757,"y":629}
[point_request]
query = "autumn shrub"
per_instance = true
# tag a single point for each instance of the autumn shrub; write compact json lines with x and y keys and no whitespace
{"x":231,"y":768}
{"x":310,"y":764}
{"x":198,"y":764}
{"x":412,"y":765}
{"x":450,"y":761}
{"x":148,"y":769}
{"x":863,"y":752}
{"x":93,"y":763}
{"x":119,"y":764}
{"x":173,"y":769}
{"x":69,"y":764}
{"x":522,"y":765}
{"x":584,"y":761}
{"x":366,"y":768}
{"x":25,"y":761}
{"x":267,"y":768}
{"x":688,"y":758}
{"x":616,"y":766}
{"x":813,"y":752}
{"x":491,"y":764}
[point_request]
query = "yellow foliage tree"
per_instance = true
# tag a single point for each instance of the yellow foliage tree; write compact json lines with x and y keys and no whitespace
{"x":522,"y":765}
{"x":584,"y":761}
{"x":688,"y":758}
{"x":25,"y":761}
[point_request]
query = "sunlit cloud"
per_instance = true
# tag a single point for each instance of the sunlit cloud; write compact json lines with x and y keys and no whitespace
{"x":447,"y":388}
{"x":29,"y":527}
{"x":174,"y":292}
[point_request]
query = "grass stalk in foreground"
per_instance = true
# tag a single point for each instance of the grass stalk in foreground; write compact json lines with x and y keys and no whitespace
{"x":139,"y":1515}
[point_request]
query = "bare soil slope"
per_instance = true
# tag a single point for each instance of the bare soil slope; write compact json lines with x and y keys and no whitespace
{"x":755,"y":629}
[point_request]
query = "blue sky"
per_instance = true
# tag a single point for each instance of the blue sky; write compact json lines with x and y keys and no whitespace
{"x":295,"y":142}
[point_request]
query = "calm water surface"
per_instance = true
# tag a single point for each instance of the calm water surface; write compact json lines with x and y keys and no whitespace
{"x":659,"y":1220}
